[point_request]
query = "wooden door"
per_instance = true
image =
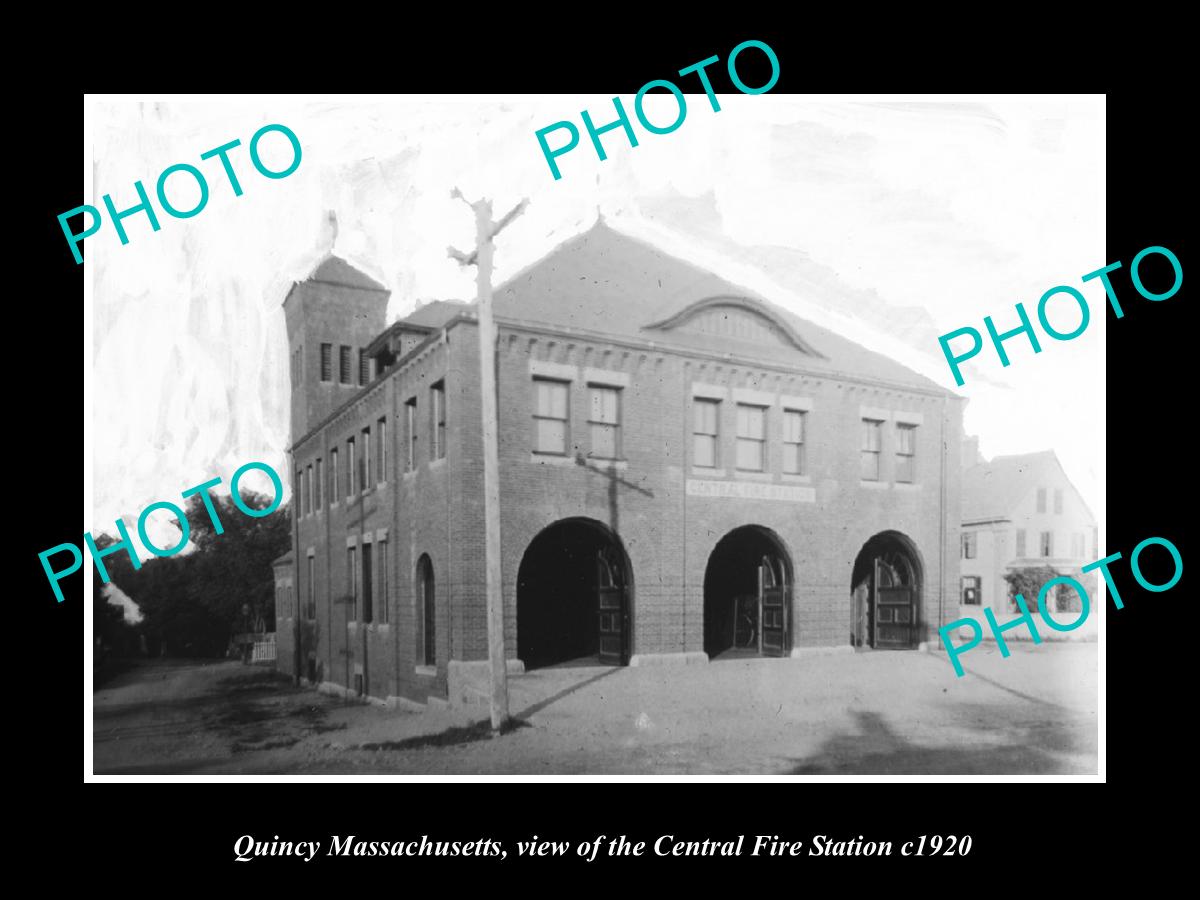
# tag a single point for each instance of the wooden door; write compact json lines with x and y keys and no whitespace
{"x":774,"y":608}
{"x":610,"y":602}
{"x":895,"y":618}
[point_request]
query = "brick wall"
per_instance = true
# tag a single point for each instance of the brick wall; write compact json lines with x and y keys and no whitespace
{"x":667,"y":532}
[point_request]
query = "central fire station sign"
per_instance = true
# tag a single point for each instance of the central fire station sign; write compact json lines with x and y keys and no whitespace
{"x":750,"y":490}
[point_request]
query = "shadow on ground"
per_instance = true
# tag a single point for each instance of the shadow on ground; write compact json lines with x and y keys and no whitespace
{"x":462,"y":734}
{"x":875,"y":748}
{"x":469,"y":734}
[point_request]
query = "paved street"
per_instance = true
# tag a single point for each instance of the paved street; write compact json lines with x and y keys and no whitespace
{"x":854,"y":713}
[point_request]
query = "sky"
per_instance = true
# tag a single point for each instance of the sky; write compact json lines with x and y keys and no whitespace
{"x":961,"y":206}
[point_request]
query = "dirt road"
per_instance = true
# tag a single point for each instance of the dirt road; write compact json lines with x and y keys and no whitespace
{"x":884,"y":713}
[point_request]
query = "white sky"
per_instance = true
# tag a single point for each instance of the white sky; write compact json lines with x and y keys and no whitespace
{"x":961,"y":207}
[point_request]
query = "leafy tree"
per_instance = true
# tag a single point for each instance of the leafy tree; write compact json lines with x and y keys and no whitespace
{"x":192,"y":603}
{"x":111,"y":633}
{"x":1028,"y":582}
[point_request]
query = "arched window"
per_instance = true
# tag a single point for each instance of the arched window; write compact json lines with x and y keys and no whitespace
{"x":426,"y":596}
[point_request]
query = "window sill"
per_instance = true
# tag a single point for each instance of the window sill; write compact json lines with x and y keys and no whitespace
{"x":705,"y":472}
{"x":796,"y":479}
{"x":334,"y":504}
{"x":753,"y":476}
{"x":427,"y":671}
{"x":551,"y":459}
{"x":874,"y":485}
{"x":435,"y":464}
{"x":408,"y":476}
{"x":907,"y":486}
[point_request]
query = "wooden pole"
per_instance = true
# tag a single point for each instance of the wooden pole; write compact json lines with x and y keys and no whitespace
{"x":491,"y":466}
{"x":486,"y":229}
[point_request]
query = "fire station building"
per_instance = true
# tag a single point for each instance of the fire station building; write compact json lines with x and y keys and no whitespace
{"x":688,"y":473}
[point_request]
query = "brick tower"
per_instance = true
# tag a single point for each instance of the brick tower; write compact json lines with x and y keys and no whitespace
{"x":331,"y":318}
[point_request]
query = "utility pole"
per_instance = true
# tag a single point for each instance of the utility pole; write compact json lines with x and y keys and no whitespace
{"x":485,"y":230}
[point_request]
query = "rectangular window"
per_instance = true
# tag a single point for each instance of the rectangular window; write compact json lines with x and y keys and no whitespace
{"x":793,"y":442}
{"x":383,"y":582}
{"x":364,"y":477}
{"x":438,"y":396}
{"x":352,"y":581}
{"x":604,"y":422}
{"x":410,"y":409}
{"x":310,"y":611}
{"x":1020,"y":542}
{"x":1058,"y":501}
{"x":308,"y":489}
{"x":1076,"y":545}
{"x":299,"y":492}
{"x":1041,"y":500}
{"x":705,"y":431}
{"x":351,"y":472}
{"x":319,"y":484}
{"x":368,"y":597}
{"x":364,"y":367}
{"x":381,"y":472}
{"x":344,"y":364}
{"x":550,"y":416}
{"x":327,"y":362}
{"x":334,"y":488}
{"x":971,"y":590}
{"x":1047,"y":543}
{"x":906,"y":453}
{"x":969,"y":539}
{"x":872,"y":444}
{"x":751,"y":438}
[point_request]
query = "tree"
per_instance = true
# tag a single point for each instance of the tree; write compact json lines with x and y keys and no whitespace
{"x":1028,"y":582}
{"x":111,"y":633}
{"x":193,"y":602}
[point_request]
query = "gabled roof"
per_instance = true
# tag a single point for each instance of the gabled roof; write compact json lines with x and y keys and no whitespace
{"x":338,"y":272}
{"x":992,"y":490}
{"x":435,"y":314}
{"x":608,"y":282}
{"x":285,"y":560}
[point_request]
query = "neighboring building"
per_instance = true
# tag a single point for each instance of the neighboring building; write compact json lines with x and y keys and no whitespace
{"x":1023,"y":512}
{"x":686,"y":471}
{"x":285,"y":612}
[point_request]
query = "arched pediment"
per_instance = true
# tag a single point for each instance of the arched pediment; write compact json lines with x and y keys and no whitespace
{"x":735,"y":318}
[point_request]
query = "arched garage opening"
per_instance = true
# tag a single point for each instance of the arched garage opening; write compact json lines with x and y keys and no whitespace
{"x":748,"y":596}
{"x":574,"y":591}
{"x":886,"y":591}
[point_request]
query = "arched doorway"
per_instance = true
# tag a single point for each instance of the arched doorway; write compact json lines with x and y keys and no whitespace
{"x":748,"y":596}
{"x":886,"y":591}
{"x":574,"y":591}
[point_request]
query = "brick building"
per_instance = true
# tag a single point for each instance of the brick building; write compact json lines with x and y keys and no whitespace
{"x":687,"y":472}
